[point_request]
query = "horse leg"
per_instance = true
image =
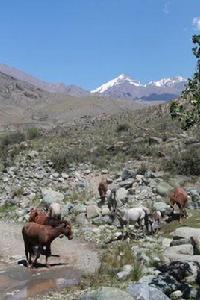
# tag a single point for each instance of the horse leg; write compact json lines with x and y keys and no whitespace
{"x":48,"y":253}
{"x":36,"y":257}
{"x":27,"y":254}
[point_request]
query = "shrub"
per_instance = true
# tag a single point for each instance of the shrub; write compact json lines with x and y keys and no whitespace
{"x":115,"y":258}
{"x":136,"y":272}
{"x":12,"y":138}
{"x":184,"y":163}
{"x":123,"y":127}
{"x":33,"y":133}
{"x":63,"y":158}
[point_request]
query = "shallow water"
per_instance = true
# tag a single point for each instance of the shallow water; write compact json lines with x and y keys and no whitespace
{"x":18,"y":283}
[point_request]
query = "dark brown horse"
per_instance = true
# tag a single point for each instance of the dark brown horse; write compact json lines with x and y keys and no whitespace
{"x":37,"y":236}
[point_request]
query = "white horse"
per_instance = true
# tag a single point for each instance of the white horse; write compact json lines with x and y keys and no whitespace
{"x":131,"y":216}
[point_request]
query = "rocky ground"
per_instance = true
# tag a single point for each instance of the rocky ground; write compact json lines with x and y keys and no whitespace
{"x":141,"y":158}
{"x":164,"y":264}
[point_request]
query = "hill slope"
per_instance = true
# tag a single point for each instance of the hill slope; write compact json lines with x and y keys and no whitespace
{"x":60,"y":88}
{"x":23,"y":104}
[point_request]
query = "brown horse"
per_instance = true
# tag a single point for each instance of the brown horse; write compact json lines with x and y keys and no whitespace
{"x":103,"y":188}
{"x":40,"y":217}
{"x":179,"y":197}
{"x":37,"y":236}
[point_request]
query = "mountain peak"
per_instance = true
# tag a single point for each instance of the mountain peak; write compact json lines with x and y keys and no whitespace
{"x":168,"y":82}
{"x":121,"y":79}
{"x":125,"y":87}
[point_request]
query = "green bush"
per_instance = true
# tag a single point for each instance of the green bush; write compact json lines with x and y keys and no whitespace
{"x":33,"y":133}
{"x":12,"y":138}
{"x":184,"y":163}
{"x":123,"y":127}
{"x":63,"y":158}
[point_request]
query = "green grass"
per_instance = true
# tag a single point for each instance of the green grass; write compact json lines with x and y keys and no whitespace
{"x":192,"y":221}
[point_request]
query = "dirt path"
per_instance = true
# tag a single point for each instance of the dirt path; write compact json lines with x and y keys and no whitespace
{"x":73,"y":259}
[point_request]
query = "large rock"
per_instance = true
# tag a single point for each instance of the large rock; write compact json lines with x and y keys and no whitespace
{"x":143,"y":291}
{"x":111,"y":293}
{"x":127,"y":183}
{"x":186,"y":249}
{"x":126,"y":174}
{"x":92,"y":211}
{"x":186,"y":233}
{"x":125,"y":272}
{"x":50,"y":196}
{"x":163,"y":188}
{"x":108,"y":293}
{"x":81,"y":220}
{"x":121,"y":194}
{"x":161,"y":206}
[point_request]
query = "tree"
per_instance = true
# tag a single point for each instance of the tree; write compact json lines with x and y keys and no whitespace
{"x":188,"y":111}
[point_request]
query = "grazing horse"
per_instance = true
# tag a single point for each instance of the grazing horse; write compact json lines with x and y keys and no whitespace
{"x":135,"y":215}
{"x":37,"y":236}
{"x":153,"y":221}
{"x":112,"y":201}
{"x":103,"y":188}
{"x":40,"y":217}
{"x":179,"y":198}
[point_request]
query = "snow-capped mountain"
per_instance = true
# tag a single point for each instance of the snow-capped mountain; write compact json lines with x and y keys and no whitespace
{"x":125,"y":87}
{"x":121,"y":79}
{"x":168,"y":82}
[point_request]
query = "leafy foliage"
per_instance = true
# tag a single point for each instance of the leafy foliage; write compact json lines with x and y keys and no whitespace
{"x":190,"y":115}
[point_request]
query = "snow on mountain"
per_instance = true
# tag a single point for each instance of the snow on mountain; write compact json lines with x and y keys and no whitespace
{"x":168,"y":82}
{"x":121,"y":79}
{"x":127,"y":88}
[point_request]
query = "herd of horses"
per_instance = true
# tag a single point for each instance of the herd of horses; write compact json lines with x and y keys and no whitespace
{"x":42,"y":229}
{"x":142,"y":216}
{"x":39,"y":233}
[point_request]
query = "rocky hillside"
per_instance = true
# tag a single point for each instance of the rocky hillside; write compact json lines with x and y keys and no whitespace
{"x":59,"y":88}
{"x":25,"y":105}
{"x":144,"y":155}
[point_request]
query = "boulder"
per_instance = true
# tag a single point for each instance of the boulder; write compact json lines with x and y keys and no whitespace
{"x":161,"y":206}
{"x":186,"y":232}
{"x":121,"y":194}
{"x":180,"y":242}
{"x":108,"y":293}
{"x":143,"y":291}
{"x":111,"y":293}
{"x":92,"y":211}
{"x":125,"y":272}
{"x":165,"y":282}
{"x":127,"y":183}
{"x":163,"y":188}
{"x":126,"y":174}
{"x":105,"y":210}
{"x":81,"y":220}
{"x":32,"y":154}
{"x":186,"y":249}
{"x":50,"y":196}
{"x":102,"y":220}
{"x":176,"y":295}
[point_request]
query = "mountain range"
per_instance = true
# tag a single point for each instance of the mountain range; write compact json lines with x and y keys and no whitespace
{"x":59,"y":88}
{"x":124,"y":87}
{"x":121,"y":87}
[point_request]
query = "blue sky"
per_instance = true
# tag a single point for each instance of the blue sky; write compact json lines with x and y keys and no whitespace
{"x":87,"y":42}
